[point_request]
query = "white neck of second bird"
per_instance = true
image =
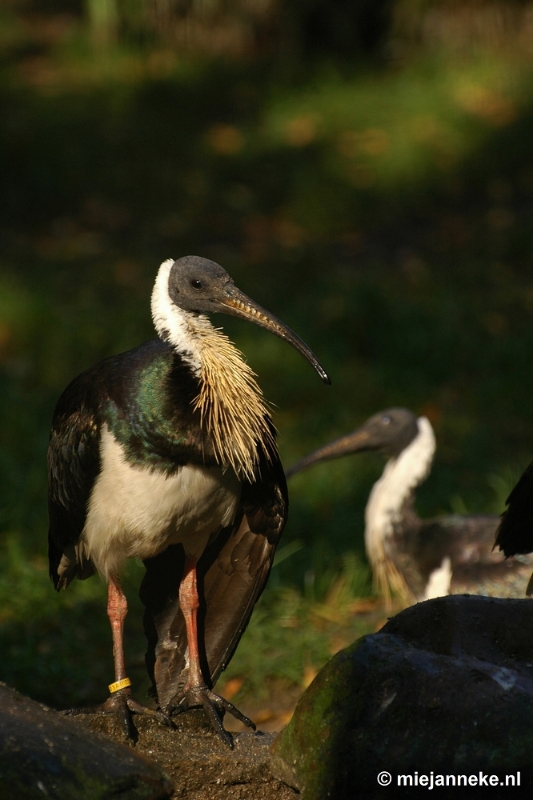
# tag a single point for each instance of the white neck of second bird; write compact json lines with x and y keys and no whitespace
{"x":396,"y":486}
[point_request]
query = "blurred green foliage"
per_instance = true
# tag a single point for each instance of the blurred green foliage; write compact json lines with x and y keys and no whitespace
{"x":364,"y":170}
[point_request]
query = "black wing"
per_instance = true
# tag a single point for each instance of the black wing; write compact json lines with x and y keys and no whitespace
{"x":232,"y":574}
{"x":73,"y":465}
{"x":515,"y":534}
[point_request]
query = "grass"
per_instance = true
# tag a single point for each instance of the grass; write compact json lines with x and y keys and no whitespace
{"x":293,"y":633}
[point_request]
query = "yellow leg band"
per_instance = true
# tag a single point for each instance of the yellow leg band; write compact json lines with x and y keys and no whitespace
{"x":116,"y":687}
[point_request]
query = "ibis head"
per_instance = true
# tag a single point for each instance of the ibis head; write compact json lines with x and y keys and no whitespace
{"x":388,"y":432}
{"x":199,"y":286}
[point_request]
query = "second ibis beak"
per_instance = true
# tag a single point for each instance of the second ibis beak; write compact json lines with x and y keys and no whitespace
{"x":353,"y":442}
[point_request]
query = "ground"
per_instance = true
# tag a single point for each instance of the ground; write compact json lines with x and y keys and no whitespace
{"x":201,"y":766}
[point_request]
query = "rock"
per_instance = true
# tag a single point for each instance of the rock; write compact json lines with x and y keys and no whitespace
{"x":201,"y":766}
{"x":444,"y":689}
{"x":44,"y":754}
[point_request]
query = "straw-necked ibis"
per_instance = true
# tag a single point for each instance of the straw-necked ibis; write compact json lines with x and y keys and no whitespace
{"x":414,"y":558}
{"x":167,"y":453}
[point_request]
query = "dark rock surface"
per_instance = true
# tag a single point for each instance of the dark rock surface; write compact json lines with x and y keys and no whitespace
{"x":446,"y":687}
{"x":46,"y":755}
{"x":200,"y":765}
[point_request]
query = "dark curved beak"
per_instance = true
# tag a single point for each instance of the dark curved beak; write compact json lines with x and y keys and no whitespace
{"x":354,"y":442}
{"x":236,"y":303}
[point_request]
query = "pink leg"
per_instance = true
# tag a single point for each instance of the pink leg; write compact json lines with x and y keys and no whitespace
{"x":117,"y":608}
{"x":197,"y":693}
{"x":189,"y":604}
{"x":120,"y":701}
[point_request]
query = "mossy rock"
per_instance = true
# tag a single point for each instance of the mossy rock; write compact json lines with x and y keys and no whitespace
{"x":445,"y":688}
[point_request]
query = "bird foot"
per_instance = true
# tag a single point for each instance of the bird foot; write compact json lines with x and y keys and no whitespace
{"x":215,"y":707}
{"x":124,"y":706}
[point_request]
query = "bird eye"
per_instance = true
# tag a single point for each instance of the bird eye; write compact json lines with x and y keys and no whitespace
{"x":196,"y":284}
{"x":385,"y":419}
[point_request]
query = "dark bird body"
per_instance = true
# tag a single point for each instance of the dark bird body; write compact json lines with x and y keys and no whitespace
{"x":415,"y":558}
{"x":167,"y":453}
{"x":514,"y":536}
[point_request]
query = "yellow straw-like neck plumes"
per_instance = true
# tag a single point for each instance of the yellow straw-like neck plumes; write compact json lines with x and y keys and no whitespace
{"x":231,"y":405}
